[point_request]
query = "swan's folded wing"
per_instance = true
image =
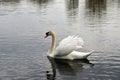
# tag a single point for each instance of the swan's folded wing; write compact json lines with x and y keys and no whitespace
{"x":69,"y":44}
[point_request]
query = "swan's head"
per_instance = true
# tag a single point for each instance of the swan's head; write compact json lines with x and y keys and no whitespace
{"x":49,"y":33}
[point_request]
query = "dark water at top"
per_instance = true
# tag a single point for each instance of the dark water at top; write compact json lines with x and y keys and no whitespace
{"x":23,"y":48}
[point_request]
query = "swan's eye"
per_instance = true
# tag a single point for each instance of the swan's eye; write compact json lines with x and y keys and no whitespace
{"x":47,"y":33}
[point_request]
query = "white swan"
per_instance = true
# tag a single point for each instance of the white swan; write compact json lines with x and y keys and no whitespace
{"x":67,"y":48}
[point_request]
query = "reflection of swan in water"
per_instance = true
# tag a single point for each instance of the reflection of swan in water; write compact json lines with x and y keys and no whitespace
{"x":67,"y":68}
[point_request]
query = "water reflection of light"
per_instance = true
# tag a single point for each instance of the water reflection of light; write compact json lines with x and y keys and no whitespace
{"x":67,"y":68}
{"x":72,"y":7}
{"x":8,"y":6}
{"x":96,"y":6}
{"x":41,"y":3}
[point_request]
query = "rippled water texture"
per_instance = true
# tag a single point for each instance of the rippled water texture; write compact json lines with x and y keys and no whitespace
{"x":23,"y":47}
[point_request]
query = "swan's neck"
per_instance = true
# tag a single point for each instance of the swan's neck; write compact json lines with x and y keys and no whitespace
{"x":52,"y":48}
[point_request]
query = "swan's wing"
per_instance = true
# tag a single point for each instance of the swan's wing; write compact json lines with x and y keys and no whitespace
{"x":69,"y":44}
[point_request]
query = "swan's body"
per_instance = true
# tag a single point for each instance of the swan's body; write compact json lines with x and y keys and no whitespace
{"x":67,"y":48}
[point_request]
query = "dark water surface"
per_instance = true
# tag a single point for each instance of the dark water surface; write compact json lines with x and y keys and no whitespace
{"x":23,"y":48}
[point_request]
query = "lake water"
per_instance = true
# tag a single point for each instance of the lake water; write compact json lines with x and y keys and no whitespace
{"x":23,"y":49}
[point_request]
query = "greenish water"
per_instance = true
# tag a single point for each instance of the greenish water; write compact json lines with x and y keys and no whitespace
{"x":23,"y":49}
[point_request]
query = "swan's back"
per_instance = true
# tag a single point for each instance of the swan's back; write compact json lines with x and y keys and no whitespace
{"x":69,"y":44}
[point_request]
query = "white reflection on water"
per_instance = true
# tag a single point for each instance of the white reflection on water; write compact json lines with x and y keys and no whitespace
{"x":7,"y":7}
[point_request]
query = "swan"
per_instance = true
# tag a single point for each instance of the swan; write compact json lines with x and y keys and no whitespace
{"x":67,"y":48}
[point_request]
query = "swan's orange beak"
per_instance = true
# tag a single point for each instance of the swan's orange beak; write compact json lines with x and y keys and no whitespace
{"x":46,"y":36}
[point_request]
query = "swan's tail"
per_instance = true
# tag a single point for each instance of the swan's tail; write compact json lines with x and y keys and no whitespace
{"x":81,"y":55}
{"x":89,"y":53}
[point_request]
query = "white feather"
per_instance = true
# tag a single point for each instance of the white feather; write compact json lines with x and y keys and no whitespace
{"x":76,"y":55}
{"x":68,"y":45}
